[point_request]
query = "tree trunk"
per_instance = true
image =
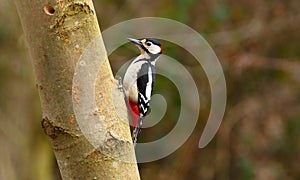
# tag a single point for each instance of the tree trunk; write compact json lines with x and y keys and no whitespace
{"x":57,"y":32}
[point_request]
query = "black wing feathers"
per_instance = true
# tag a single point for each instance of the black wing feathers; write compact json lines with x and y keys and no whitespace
{"x":143,"y":79}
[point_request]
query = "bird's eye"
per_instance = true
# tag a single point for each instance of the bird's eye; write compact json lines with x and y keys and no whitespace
{"x":148,"y":44}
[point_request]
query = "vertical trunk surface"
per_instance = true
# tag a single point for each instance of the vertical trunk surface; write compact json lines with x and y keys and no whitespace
{"x":57,"y":31}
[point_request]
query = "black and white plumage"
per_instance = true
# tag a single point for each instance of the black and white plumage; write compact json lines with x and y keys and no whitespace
{"x":145,"y":84}
{"x":139,"y":81}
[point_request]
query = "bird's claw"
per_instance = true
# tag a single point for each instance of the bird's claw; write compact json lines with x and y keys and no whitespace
{"x":120,"y":84}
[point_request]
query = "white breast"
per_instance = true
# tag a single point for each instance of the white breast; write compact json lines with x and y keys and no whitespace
{"x":130,"y":78}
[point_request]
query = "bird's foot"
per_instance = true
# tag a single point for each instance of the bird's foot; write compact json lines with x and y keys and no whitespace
{"x":120,"y":84}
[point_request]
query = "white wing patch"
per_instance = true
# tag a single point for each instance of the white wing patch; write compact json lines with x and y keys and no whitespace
{"x":149,"y":84}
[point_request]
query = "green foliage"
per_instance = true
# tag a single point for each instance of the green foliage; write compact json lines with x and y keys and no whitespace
{"x":245,"y":168}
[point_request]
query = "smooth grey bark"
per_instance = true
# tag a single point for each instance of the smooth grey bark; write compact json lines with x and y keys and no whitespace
{"x":57,"y":31}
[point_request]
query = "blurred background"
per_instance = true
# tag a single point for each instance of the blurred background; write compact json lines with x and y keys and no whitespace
{"x":258,"y":45}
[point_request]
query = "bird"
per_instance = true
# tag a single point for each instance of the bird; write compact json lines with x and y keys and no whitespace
{"x":139,"y":80}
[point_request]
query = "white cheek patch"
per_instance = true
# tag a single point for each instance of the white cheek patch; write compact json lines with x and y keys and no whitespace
{"x":154,"y":49}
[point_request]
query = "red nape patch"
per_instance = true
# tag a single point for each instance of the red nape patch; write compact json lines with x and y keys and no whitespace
{"x":134,"y":114}
{"x":161,"y":48}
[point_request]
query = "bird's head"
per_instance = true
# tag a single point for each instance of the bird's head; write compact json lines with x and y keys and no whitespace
{"x":150,"y":47}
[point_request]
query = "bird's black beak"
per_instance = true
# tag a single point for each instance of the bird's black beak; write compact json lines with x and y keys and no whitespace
{"x":135,"y":41}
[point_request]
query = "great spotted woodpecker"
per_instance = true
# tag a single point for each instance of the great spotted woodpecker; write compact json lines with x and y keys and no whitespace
{"x":139,"y":80}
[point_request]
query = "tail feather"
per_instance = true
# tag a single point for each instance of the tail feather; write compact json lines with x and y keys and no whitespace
{"x":136,"y":131}
{"x":136,"y":120}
